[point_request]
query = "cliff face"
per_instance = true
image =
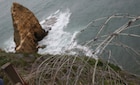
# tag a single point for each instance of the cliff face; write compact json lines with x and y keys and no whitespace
{"x":27,"y":30}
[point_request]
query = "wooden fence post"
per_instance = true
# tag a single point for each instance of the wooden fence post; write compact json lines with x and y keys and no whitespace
{"x":12,"y":74}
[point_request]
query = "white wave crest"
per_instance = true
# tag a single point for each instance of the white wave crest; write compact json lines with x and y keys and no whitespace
{"x":60,"y":42}
{"x":9,"y":45}
{"x":57,"y":39}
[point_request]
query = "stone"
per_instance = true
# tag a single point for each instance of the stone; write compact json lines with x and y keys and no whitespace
{"x":27,"y":30}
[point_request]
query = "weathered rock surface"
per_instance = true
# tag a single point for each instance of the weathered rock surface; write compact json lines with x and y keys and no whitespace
{"x":27,"y":30}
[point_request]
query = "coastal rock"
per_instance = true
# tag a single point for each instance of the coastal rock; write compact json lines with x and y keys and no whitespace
{"x":27,"y":30}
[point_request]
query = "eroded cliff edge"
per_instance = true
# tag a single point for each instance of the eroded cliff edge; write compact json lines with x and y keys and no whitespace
{"x":27,"y":30}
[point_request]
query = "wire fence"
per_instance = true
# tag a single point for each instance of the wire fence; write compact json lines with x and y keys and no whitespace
{"x":80,"y":70}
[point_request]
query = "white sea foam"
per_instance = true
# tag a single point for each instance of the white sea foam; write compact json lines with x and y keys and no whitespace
{"x":79,"y":50}
{"x":9,"y":45}
{"x":57,"y":41}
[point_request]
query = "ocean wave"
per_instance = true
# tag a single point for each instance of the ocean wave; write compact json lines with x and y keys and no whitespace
{"x":57,"y":38}
{"x":57,"y":41}
{"x":9,"y":45}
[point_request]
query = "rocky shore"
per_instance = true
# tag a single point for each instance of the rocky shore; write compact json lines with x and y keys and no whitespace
{"x":54,"y":69}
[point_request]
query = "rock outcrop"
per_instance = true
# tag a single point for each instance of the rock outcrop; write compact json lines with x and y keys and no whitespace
{"x":27,"y":30}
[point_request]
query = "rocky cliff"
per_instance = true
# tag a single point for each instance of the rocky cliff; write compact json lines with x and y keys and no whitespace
{"x":27,"y":30}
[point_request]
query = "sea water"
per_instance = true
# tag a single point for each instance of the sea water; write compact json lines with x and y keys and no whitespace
{"x":65,"y":36}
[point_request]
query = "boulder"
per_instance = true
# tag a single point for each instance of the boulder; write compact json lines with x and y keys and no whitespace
{"x":27,"y":30}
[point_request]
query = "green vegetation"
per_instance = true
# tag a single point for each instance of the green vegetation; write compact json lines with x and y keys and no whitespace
{"x":22,"y":62}
{"x":62,"y":69}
